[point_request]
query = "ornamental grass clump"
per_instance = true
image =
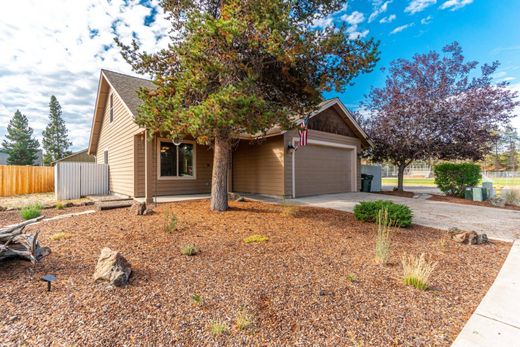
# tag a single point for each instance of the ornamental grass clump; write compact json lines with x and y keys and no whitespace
{"x":30,"y":212}
{"x":383,"y":237}
{"x":170,"y":223}
{"x":243,"y":319}
{"x":189,"y":250}
{"x":417,"y":271}
{"x":218,"y":328}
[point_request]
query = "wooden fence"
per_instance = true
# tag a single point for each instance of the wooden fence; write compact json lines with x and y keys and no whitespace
{"x":16,"y":180}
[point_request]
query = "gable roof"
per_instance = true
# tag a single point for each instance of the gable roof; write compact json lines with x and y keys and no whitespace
{"x":126,"y":87}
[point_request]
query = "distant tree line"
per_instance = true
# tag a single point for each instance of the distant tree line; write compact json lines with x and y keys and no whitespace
{"x":21,"y":146}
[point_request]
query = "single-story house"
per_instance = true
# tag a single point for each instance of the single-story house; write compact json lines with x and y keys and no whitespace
{"x":77,"y":157}
{"x":267,"y":165}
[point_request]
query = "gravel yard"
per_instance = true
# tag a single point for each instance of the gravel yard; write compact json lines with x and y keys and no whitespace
{"x":313,"y":283}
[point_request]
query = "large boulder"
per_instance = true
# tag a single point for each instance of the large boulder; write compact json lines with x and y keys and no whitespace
{"x":112,"y":267}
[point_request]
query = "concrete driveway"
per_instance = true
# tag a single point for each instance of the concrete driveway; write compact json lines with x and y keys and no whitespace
{"x":499,"y":224}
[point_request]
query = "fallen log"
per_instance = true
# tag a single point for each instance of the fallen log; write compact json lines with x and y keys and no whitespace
{"x":14,"y":243}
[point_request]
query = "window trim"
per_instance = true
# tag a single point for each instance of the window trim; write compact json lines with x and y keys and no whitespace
{"x":168,"y":178}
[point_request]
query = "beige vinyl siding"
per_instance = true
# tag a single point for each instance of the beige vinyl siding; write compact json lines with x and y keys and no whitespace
{"x":258,"y":167}
{"x":117,"y":137}
{"x":320,"y":136}
{"x":201,"y":184}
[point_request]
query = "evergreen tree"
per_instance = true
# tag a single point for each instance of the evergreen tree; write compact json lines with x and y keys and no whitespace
{"x":19,"y":144}
{"x":55,"y":139}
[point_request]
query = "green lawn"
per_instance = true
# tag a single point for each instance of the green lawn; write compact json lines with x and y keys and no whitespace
{"x":499,"y":183}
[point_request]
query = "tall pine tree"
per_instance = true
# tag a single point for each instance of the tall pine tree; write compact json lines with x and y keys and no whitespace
{"x":55,"y":136}
{"x":19,"y":144}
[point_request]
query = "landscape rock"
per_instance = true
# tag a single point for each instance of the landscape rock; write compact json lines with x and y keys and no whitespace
{"x":240,"y":199}
{"x":138,"y":208}
{"x":112,"y":267}
{"x":467,"y":237}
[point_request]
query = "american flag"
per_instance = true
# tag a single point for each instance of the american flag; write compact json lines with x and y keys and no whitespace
{"x":304,"y":132}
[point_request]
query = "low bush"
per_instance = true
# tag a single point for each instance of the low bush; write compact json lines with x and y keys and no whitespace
{"x":59,"y":206}
{"x":453,"y":178}
{"x":398,"y":215}
{"x":189,"y":250}
{"x":30,"y":212}
{"x":511,"y":196}
{"x":417,"y":271}
{"x":382,"y":238}
{"x":256,"y":238}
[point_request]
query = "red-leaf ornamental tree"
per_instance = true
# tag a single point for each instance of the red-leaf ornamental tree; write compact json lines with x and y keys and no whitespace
{"x":243,"y":66}
{"x":436,"y":106}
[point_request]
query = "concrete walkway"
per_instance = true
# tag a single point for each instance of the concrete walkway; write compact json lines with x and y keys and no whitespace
{"x":496,"y":321}
{"x":498,"y":224}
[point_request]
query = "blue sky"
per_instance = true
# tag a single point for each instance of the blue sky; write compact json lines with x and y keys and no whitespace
{"x":488,"y":30}
{"x":42,"y":56}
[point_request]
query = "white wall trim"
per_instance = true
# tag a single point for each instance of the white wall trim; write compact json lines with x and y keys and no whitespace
{"x":180,"y":178}
{"x":353,"y":180}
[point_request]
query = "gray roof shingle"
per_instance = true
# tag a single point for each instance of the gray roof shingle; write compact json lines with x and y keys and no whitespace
{"x":127,"y":88}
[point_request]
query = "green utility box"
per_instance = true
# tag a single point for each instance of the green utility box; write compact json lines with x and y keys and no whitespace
{"x":366,"y":183}
{"x":478,"y":194}
{"x":468,"y":193}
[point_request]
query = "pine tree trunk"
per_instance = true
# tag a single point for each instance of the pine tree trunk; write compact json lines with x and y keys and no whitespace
{"x":221,"y":158}
{"x":400,"y":177}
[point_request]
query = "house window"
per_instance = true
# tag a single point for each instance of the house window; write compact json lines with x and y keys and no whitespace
{"x":105,"y":157}
{"x":177,"y":161}
{"x":111,"y":107}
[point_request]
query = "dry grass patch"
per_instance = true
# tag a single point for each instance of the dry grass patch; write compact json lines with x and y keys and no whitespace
{"x":243,"y":319}
{"x":170,"y":222}
{"x":189,"y":250}
{"x":256,"y":238}
{"x":383,"y":237}
{"x":60,"y":236}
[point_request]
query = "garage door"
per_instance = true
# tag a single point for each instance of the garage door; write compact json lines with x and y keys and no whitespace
{"x":322,"y":170}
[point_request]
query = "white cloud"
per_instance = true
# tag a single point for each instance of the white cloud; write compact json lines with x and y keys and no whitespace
{"x":57,"y":48}
{"x":426,"y":20}
{"x":388,"y":19}
{"x":401,"y":28}
{"x":454,"y":5}
{"x":416,"y":6}
{"x":354,"y":19}
{"x":379,"y":9}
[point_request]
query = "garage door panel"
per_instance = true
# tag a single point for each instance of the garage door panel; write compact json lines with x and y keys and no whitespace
{"x":322,"y":170}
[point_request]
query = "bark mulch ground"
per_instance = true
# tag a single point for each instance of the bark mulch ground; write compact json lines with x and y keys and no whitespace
{"x":313,"y":283}
{"x":13,"y":216}
{"x":452,"y":199}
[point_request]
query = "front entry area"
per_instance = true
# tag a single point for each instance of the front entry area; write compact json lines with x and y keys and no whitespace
{"x":323,"y":168}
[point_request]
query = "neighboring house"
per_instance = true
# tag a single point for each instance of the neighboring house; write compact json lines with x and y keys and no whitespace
{"x":77,"y":157}
{"x":37,"y":162}
{"x":268,"y":165}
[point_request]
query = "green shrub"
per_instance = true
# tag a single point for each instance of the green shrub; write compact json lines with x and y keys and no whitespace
{"x":59,"y":206}
{"x":352,"y":278}
{"x":30,"y":212}
{"x":197,"y":299}
{"x":398,"y":215}
{"x":453,"y":178}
